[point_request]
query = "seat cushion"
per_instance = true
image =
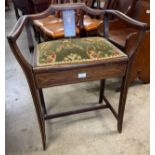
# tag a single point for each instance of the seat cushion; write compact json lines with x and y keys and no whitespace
{"x":55,"y":30}
{"x":48,"y":20}
{"x":91,"y":23}
{"x":78,"y":50}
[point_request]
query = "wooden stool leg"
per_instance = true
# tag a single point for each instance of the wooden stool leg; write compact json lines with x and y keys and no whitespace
{"x":122,"y":101}
{"x":42,"y":101}
{"x":37,"y":104}
{"x":102,"y":87}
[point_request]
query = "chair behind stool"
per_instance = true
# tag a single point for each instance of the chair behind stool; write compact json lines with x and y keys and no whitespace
{"x":52,"y":26}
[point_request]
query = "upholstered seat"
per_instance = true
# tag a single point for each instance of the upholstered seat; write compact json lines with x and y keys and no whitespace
{"x":79,"y":50}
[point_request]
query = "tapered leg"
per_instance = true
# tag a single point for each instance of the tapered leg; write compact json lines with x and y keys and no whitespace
{"x":42,"y":101}
{"x":37,"y":34}
{"x":39,"y":37}
{"x":122,"y":101}
{"x":102,"y":87}
{"x":37,"y":104}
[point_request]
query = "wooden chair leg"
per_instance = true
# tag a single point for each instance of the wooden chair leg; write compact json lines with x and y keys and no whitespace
{"x":16,"y":12}
{"x":29,"y":38}
{"x":37,"y":34}
{"x":122,"y":101}
{"x":37,"y":104}
{"x":42,"y":101}
{"x":102,"y":87}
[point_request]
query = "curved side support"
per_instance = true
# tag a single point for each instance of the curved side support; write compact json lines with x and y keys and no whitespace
{"x":132,"y":42}
{"x":20,"y":58}
{"x":130,"y":50}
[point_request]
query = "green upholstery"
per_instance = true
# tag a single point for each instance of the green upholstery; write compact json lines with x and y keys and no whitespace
{"x":79,"y":50}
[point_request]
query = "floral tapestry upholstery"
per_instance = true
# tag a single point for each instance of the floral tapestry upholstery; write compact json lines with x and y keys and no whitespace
{"x":79,"y":50}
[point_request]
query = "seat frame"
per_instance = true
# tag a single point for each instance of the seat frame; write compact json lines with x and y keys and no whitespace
{"x":43,"y":77}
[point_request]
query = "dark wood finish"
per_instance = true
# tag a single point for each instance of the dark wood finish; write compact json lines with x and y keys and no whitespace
{"x":120,"y":30}
{"x":141,"y":65}
{"x":73,"y":112}
{"x":102,"y":88}
{"x":35,"y":6}
{"x":40,"y":77}
{"x":125,"y":6}
{"x":109,"y":105}
{"x":6,"y":3}
{"x":42,"y":101}
{"x":30,"y":6}
{"x":44,"y":80}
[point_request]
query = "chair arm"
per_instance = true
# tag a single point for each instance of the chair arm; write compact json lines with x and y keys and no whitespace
{"x":17,"y":29}
{"x":13,"y":36}
{"x":23,"y":21}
